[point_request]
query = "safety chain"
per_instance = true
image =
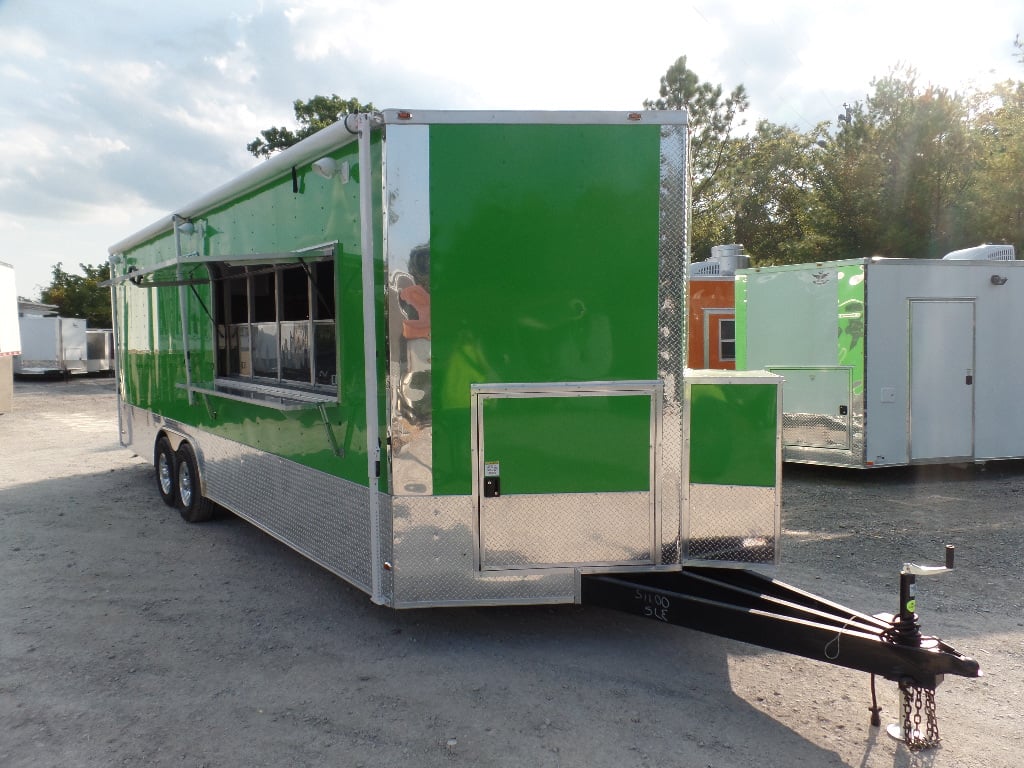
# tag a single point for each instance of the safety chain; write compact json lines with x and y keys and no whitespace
{"x":915,"y":700}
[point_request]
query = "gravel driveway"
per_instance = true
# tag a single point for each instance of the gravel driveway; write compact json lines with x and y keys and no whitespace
{"x":128,"y":637}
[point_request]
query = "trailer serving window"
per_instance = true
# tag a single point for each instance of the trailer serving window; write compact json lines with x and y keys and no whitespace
{"x":276,"y":325}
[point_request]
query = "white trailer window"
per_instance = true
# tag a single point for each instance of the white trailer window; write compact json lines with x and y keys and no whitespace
{"x":727,"y":339}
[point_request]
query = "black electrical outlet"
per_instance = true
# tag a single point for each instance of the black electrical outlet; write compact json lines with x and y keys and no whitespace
{"x":492,"y":487}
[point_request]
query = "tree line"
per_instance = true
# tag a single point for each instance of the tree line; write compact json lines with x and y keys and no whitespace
{"x":913,"y":170}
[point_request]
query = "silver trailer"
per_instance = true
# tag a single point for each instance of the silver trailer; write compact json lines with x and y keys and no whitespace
{"x":51,"y":346}
{"x":891,"y":361}
{"x":10,"y":338}
{"x":99,"y":344}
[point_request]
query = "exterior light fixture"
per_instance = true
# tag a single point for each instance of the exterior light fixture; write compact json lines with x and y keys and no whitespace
{"x":326,"y":167}
{"x":998,"y":280}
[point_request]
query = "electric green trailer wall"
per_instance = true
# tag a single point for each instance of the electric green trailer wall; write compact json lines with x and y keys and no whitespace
{"x":442,"y":355}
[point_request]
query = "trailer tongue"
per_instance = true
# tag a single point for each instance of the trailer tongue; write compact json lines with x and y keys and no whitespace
{"x":747,"y":606}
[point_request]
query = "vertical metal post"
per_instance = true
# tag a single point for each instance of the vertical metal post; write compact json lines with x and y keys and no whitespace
{"x":908,"y":628}
{"x":364,"y":126}
{"x":183,"y":309}
{"x":117,"y":356}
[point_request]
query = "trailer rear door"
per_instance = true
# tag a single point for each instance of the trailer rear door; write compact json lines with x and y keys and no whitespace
{"x":565,"y":475}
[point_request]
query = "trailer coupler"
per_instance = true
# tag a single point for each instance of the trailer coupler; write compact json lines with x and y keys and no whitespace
{"x":752,"y":608}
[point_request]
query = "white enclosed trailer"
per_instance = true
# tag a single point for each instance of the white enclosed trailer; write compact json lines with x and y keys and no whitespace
{"x":10,"y":338}
{"x":51,"y":346}
{"x":99,"y":344}
{"x":891,"y":361}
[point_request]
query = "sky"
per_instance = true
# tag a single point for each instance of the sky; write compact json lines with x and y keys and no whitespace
{"x":113,"y":114}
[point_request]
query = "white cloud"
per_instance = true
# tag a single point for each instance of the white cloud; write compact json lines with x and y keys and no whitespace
{"x":22,"y":43}
{"x":124,"y":75}
{"x":88,"y":150}
{"x":10,"y":223}
{"x":111,"y":117}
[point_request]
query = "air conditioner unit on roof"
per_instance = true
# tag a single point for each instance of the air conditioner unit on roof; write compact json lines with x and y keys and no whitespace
{"x":984,"y":252}
{"x":724,"y":261}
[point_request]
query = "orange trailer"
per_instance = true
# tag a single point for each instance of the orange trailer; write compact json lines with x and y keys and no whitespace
{"x":712,"y":323}
{"x":711,"y":328}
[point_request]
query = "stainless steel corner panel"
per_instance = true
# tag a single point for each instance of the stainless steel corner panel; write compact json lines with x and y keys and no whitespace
{"x":434,"y":560}
{"x":733,"y":524}
{"x":407,"y":261}
{"x":535,"y":530}
{"x":673,"y":261}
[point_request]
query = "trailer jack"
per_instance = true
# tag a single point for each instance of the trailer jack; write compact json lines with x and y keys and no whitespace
{"x":750,"y":607}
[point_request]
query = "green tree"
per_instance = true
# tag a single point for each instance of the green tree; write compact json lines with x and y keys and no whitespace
{"x":81,"y":295}
{"x":713,"y":118}
{"x":895,"y":175}
{"x":775,"y":201}
{"x":312,"y":116}
{"x":995,"y":205}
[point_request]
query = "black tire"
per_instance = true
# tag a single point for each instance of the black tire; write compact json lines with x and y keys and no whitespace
{"x":165,"y":464}
{"x":191,"y":504}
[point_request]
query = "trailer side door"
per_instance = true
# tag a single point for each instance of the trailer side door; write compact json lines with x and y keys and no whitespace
{"x":941,"y":379}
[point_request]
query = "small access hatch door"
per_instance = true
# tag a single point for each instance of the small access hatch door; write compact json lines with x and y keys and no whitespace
{"x":565,"y":473}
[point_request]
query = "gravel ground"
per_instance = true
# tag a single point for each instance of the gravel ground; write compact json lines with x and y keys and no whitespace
{"x":128,"y":637}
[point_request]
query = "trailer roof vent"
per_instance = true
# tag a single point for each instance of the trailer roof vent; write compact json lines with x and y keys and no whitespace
{"x":983,"y":253}
{"x":724,"y":261}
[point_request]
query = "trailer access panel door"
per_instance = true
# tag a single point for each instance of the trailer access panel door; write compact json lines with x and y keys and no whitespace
{"x":565,"y":473}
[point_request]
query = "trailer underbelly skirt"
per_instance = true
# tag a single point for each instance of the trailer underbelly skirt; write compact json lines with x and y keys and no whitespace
{"x":428,"y":543}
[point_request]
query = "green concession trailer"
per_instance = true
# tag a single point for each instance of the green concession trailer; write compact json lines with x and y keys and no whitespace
{"x":442,"y":355}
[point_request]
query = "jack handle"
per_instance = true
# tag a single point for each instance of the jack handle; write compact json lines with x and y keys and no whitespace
{"x":907,"y":627}
{"x":931,"y":570}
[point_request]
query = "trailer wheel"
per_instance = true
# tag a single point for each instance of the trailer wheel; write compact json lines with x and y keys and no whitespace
{"x":191,"y":504}
{"x":163,"y":462}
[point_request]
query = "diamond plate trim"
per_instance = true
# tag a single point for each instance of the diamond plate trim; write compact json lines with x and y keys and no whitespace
{"x":816,"y":430}
{"x":733,"y":523}
{"x":529,"y":530}
{"x":435,"y":560}
{"x":852,"y":456}
{"x":673,"y":260}
{"x":334,"y":527}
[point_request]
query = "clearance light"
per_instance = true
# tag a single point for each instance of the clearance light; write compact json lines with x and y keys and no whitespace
{"x":402,"y":115}
{"x":634,"y":116}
